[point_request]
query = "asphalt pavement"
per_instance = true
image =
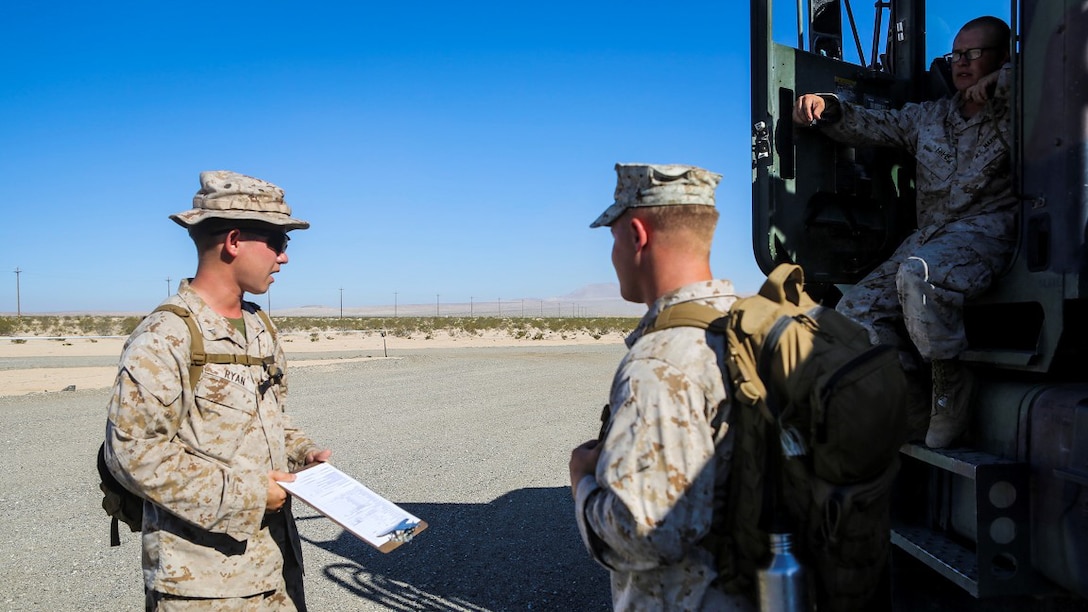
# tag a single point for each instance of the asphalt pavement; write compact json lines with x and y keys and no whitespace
{"x":473,"y":441}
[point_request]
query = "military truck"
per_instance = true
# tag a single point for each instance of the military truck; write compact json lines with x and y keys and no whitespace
{"x":1001,"y":523}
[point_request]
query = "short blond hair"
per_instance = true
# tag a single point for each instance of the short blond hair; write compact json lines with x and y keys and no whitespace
{"x":692,"y":223}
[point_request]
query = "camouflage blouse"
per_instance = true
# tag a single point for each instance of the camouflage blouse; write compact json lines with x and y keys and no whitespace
{"x":205,"y":477}
{"x":653,"y":496}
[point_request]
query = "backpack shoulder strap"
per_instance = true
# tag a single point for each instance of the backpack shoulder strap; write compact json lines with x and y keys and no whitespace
{"x":686,"y":314}
{"x":741,"y":370}
{"x":267,"y":322}
{"x":197,"y":356}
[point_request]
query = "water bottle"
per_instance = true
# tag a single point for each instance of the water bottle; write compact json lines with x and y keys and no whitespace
{"x":782,"y":586}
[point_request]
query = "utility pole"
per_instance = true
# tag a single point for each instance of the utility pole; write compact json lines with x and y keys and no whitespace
{"x":341,"y":302}
{"x":18,"y":302}
{"x":436,"y":296}
{"x":167,"y":286}
{"x":394,"y":304}
{"x":470,"y":305}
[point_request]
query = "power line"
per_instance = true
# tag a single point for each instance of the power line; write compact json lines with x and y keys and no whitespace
{"x":18,"y":301}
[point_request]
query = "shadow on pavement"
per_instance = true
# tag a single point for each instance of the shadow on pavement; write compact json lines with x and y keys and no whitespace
{"x":519,"y":552}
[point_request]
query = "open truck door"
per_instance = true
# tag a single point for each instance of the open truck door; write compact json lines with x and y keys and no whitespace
{"x":1004,"y":520}
{"x":836,"y":210}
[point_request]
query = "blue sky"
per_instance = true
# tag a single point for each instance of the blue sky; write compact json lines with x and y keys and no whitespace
{"x":453,"y":149}
{"x":459,"y":149}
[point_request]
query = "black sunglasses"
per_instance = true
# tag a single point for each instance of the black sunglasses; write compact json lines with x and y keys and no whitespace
{"x":277,"y":241}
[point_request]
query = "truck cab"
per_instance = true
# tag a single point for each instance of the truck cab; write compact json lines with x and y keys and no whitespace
{"x":1005,"y":514}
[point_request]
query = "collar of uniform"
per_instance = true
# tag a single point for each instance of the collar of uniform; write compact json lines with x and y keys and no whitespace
{"x":717,"y":292}
{"x":213,"y":325}
{"x":958,"y":122}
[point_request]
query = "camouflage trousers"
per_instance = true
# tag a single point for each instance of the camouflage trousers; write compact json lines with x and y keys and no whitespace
{"x":289,"y":596}
{"x":922,"y":287}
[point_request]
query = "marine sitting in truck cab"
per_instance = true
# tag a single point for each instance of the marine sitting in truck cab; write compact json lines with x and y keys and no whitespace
{"x":965,"y":208}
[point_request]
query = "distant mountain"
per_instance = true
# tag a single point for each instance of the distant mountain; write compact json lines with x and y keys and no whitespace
{"x":597,"y":291}
{"x":593,"y":300}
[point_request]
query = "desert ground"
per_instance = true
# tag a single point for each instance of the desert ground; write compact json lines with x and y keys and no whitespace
{"x":470,"y":434}
{"x":48,"y":368}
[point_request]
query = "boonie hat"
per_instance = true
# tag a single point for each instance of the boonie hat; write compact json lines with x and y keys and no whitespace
{"x":228,"y":195}
{"x":659,"y":185}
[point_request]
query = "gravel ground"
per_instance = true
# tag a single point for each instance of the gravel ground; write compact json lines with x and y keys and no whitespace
{"x":474,"y":441}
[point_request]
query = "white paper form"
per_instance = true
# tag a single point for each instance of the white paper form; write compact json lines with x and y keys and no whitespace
{"x":376,"y":520}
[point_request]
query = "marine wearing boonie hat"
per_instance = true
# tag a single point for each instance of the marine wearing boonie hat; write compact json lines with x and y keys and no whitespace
{"x":639,"y":185}
{"x":236,"y":197}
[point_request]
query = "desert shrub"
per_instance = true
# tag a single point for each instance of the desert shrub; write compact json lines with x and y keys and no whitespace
{"x":398,"y":327}
{"x":53,"y":326}
{"x":128,"y":325}
{"x":85,"y":325}
{"x":106,"y":326}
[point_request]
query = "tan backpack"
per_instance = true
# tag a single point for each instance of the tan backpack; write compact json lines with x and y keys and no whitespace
{"x":805,"y":380}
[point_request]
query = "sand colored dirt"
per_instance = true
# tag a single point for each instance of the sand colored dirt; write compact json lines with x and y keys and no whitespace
{"x":20,"y":381}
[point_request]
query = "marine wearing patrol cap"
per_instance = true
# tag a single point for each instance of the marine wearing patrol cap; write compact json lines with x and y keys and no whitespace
{"x":228,"y":195}
{"x":640,"y":185}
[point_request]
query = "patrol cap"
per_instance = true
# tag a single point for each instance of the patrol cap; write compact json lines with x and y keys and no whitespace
{"x":659,"y":185}
{"x":228,"y":195}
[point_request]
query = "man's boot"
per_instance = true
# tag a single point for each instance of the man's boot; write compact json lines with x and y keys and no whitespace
{"x":952,"y":388}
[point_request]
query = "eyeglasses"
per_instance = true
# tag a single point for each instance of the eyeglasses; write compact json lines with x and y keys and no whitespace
{"x":277,"y":241}
{"x":970,"y":54}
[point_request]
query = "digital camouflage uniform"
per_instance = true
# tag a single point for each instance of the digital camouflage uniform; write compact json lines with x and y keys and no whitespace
{"x":663,"y":458}
{"x":205,"y":477}
{"x":966,"y":216}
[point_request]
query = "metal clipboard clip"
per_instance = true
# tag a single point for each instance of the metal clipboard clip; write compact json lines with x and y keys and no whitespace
{"x":402,"y":532}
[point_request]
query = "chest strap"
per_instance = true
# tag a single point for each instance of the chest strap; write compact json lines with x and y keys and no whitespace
{"x":198,"y":358}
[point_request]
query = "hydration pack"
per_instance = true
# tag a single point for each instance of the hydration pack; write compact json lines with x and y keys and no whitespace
{"x":818,"y":417}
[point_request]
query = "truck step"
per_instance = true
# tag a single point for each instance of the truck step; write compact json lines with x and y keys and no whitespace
{"x":951,"y":560}
{"x":1000,"y":563}
{"x":964,"y":462}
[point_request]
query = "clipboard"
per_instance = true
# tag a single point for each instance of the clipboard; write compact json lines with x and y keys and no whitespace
{"x":350,"y":504}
